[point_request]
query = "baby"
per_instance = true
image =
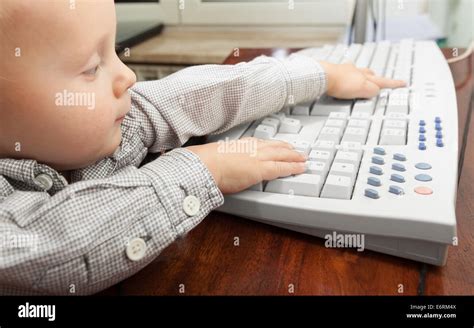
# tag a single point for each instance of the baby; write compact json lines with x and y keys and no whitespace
{"x":77,"y":212}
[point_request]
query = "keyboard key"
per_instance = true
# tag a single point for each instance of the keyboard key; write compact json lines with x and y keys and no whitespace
{"x":371,"y":193}
{"x":317,"y":167}
{"x":336,"y":186}
{"x":439,"y":143}
{"x":338,"y":116}
{"x":396,"y":190}
{"x":290,"y":125}
{"x":301,"y":146}
{"x":395,"y":124}
{"x":374,"y":181}
{"x":439,"y":135}
{"x":364,"y":106}
{"x":422,"y":146}
{"x":365,"y":55}
{"x":423,"y":177}
{"x":344,"y":169}
{"x":438,"y":127}
{"x":396,"y":116}
{"x":437,"y":119}
{"x":271,"y":121}
{"x":302,"y":109}
{"x":397,"y":178}
{"x":323,"y":145}
{"x":321,"y":156}
{"x":398,"y":101}
{"x":355,"y":135}
{"x":327,"y":104}
{"x":399,"y":157}
{"x":335,"y":123}
{"x":279,"y":116}
{"x":398,"y":167}
{"x":347,"y":157}
{"x":422,"y":123}
{"x":330,"y":134}
{"x":264,"y":132}
{"x":423,"y":190}
{"x":422,"y":137}
{"x":392,"y":137}
{"x":302,"y":185}
{"x":379,"y":151}
{"x":357,"y":123}
{"x":422,"y":129}
{"x":378,"y":160}
{"x":353,"y":146}
{"x":376,"y":170}
{"x":423,"y":166}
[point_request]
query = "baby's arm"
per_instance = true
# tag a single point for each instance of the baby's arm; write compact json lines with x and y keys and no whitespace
{"x":207,"y":99}
{"x":82,"y":234}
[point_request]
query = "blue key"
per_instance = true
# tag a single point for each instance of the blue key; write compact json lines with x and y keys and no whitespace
{"x":421,"y":146}
{"x":396,"y":190}
{"x":422,"y":137}
{"x":398,"y":167}
{"x":422,"y":129}
{"x":423,"y":166}
{"x":371,"y":193}
{"x":377,"y":160}
{"x":397,"y":178}
{"x":423,"y":177}
{"x":399,"y":157}
{"x":437,"y":119}
{"x":439,"y":143}
{"x":374,"y":181}
{"x":439,"y":134}
{"x":422,"y":123}
{"x":376,"y":170}
{"x":379,"y":151}
{"x":438,"y":127}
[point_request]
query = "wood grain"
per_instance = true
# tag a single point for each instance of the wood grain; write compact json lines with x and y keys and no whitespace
{"x":270,"y":260}
{"x":457,"y":277}
{"x":191,"y":45}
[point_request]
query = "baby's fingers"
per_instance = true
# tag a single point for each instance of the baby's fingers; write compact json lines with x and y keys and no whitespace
{"x":272,"y":170}
{"x":384,"y":83}
{"x":368,"y":90}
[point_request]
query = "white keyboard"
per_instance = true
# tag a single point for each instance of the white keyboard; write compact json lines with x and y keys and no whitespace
{"x":383,"y":168}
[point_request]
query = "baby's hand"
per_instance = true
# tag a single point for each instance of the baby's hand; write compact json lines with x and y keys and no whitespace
{"x":346,"y":81}
{"x":237,"y":165}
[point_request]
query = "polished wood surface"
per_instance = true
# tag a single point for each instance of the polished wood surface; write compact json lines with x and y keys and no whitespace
{"x":191,"y":45}
{"x":273,"y":261}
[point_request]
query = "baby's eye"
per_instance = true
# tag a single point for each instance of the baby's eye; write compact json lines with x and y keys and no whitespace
{"x":92,"y":71}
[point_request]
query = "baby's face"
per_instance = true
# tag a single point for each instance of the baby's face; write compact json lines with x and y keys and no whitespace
{"x":63,"y":89}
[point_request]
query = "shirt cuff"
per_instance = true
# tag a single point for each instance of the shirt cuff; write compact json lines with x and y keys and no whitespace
{"x":185,"y":188}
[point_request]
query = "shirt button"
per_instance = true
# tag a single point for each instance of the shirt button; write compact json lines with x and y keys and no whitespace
{"x":136,"y":249}
{"x":43,"y":181}
{"x":191,"y":205}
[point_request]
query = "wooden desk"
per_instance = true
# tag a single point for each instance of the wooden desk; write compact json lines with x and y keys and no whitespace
{"x":269,"y":259}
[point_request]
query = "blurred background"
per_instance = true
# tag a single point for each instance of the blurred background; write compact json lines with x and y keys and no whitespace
{"x":157,"y":38}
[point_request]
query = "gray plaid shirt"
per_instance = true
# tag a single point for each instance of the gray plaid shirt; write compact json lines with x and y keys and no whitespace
{"x":115,"y":217}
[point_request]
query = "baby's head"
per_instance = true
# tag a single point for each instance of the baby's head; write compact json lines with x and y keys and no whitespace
{"x":62,"y":87}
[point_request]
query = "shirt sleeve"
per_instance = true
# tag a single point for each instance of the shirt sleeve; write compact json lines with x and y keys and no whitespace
{"x":210,"y":99}
{"x":93,"y":234}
